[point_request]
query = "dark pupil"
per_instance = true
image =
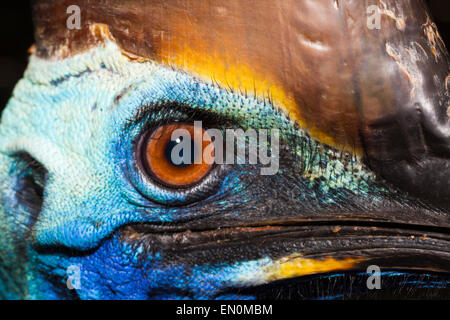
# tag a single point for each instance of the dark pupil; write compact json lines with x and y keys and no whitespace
{"x":168,"y":153}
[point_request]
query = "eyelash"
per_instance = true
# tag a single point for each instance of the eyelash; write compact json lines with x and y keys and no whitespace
{"x":164,"y":113}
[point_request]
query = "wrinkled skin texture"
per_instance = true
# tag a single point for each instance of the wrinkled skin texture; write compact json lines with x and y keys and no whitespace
{"x":72,"y":194}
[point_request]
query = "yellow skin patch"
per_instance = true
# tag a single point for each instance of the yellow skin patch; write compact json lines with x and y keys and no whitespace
{"x":294,"y":266}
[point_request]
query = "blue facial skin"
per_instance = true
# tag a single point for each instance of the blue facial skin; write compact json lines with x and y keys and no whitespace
{"x":81,"y":118}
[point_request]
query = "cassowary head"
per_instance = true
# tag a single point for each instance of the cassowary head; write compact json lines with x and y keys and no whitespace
{"x":227,"y":149}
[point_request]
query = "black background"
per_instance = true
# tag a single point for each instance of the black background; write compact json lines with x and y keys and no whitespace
{"x":16,"y":36}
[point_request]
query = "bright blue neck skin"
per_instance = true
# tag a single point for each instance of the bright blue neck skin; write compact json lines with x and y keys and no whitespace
{"x":76,"y":117}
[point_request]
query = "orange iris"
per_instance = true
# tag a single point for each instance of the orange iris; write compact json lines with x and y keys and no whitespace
{"x":162,"y":155}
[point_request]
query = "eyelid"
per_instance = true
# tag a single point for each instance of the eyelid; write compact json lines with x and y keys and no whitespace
{"x":152,"y":116}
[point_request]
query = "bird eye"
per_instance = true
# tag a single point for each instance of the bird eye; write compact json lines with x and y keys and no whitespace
{"x":177,"y":155}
